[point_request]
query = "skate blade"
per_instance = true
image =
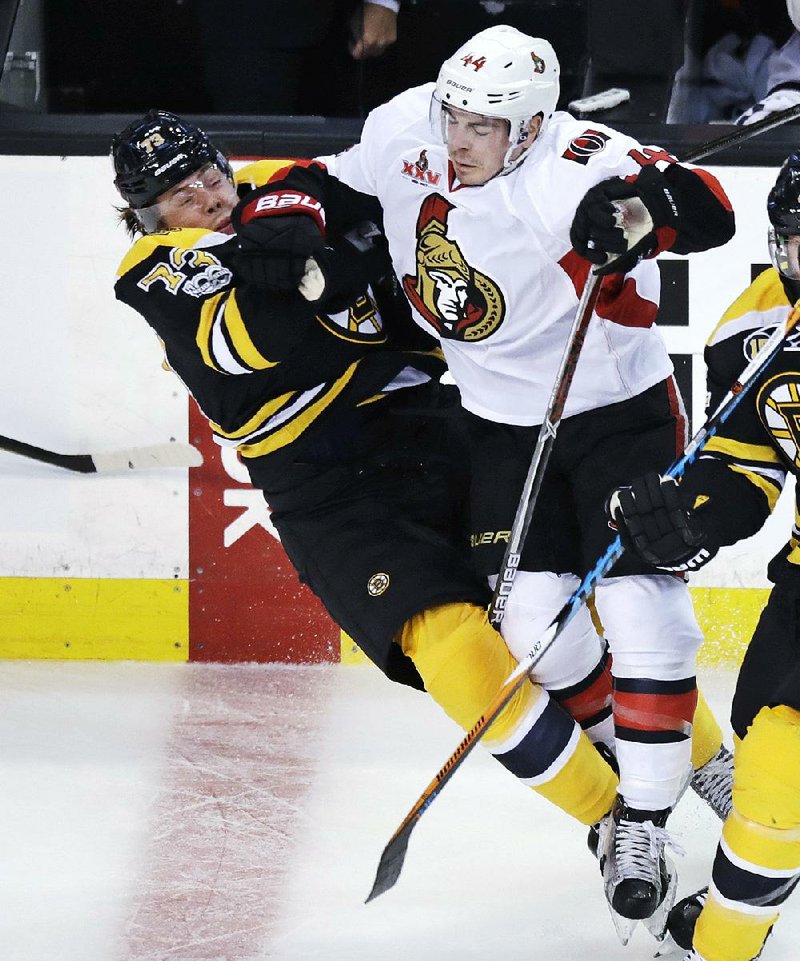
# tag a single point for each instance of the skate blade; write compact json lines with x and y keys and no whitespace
{"x":623,"y":926}
{"x":656,"y":924}
{"x":670,"y":950}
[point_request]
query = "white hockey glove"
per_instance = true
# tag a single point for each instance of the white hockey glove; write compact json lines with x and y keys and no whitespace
{"x":773,"y":103}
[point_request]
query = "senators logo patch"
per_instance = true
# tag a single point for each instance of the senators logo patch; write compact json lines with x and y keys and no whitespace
{"x":581,"y":148}
{"x":778,"y":405}
{"x":458,"y":301}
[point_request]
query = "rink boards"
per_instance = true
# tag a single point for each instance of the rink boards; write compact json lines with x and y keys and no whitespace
{"x":176,"y":564}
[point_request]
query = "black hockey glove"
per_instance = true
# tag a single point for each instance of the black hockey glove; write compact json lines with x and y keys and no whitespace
{"x":615,"y":224}
{"x":653,"y":524}
{"x":277,"y":231}
{"x":341,"y":272}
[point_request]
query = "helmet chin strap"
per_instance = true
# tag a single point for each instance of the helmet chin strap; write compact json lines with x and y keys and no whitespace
{"x":791,"y":288}
{"x":522,"y":133}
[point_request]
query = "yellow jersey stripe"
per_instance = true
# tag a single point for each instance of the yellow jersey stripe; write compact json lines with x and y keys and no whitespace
{"x":292,"y":430}
{"x":768,"y":488}
{"x":270,"y":409}
{"x":758,"y":453}
{"x":180,"y":237}
{"x":240,"y":337}
{"x":203,"y":336}
{"x":765,"y":293}
{"x":260,"y":172}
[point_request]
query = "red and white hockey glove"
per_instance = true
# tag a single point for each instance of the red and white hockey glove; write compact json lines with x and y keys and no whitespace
{"x":654,"y":524}
{"x":277,"y":232}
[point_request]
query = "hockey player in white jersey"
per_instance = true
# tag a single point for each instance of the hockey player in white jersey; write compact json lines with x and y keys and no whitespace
{"x":492,"y":225}
{"x":495,"y":208}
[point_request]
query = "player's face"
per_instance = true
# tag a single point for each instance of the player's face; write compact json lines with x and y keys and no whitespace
{"x":477,"y":145}
{"x":785,"y":253}
{"x":204,"y":199}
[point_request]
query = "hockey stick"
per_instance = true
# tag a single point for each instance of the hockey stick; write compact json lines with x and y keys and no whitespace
{"x":393,"y":856}
{"x":391,"y":863}
{"x":558,"y":397}
{"x":131,"y":458}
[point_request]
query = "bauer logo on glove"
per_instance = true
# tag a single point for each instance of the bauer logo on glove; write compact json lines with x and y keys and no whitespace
{"x":277,"y":231}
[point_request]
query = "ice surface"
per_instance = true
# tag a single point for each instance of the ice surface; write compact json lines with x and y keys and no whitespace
{"x":237,"y":813}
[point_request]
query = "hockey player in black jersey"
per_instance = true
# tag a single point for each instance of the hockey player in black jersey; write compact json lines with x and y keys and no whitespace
{"x":725,"y":496}
{"x":332,"y":398}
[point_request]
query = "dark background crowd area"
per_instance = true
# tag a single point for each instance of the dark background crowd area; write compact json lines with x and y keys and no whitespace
{"x":291,"y":57}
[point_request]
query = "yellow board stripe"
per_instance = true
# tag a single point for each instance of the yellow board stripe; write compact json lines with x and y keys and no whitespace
{"x":727,"y":618}
{"x":148,"y":620}
{"x":94,"y":618}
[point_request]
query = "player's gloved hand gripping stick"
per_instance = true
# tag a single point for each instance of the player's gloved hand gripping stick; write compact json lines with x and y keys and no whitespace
{"x":393,"y":857}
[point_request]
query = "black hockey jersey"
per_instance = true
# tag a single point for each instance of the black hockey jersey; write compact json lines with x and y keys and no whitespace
{"x":736,"y":481}
{"x":270,"y":373}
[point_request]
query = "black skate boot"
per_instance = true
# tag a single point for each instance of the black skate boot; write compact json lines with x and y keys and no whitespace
{"x":639,"y":879}
{"x":682,"y":919}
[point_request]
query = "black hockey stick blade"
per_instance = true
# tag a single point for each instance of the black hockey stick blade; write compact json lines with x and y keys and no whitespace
{"x":391,"y":862}
{"x":131,"y":458}
{"x":394,"y":854}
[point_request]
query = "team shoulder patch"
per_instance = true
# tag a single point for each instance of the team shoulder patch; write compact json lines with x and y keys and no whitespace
{"x":582,"y":147}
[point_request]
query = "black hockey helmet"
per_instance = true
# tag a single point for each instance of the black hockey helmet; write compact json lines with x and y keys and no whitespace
{"x":156,"y":152}
{"x":783,"y":210}
{"x":783,"y":202}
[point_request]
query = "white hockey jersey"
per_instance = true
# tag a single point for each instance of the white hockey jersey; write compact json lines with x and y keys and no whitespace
{"x":491,"y":270}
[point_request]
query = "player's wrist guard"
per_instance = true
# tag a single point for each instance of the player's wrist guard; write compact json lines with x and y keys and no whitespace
{"x":654,"y":524}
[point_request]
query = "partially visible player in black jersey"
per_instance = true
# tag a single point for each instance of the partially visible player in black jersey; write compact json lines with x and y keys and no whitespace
{"x":727,"y":495}
{"x":333,"y":399}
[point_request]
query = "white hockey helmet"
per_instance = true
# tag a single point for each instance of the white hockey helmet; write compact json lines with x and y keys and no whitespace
{"x":502,"y":72}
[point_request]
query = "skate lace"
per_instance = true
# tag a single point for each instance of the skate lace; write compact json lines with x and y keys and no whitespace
{"x":639,"y":847}
{"x":712,"y":782}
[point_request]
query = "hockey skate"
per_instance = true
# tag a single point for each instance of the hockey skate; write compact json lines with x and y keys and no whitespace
{"x":713,"y":782}
{"x":683,"y":918}
{"x":639,"y":879}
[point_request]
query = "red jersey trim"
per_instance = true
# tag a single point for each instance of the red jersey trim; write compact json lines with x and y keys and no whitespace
{"x":619,"y":300}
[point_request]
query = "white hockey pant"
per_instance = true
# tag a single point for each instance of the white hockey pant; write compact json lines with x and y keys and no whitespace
{"x":653,"y":634}
{"x":536,"y":598}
